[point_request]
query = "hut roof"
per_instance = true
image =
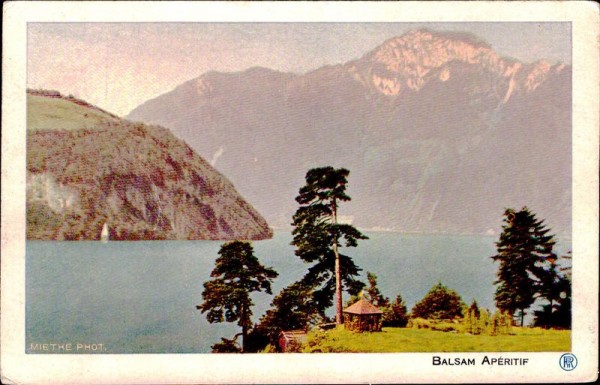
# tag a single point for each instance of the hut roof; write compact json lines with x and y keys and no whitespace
{"x":362,"y":307}
{"x":289,"y":336}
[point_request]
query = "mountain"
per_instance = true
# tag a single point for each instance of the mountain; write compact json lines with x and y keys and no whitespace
{"x":87,"y":167}
{"x":439,"y":132}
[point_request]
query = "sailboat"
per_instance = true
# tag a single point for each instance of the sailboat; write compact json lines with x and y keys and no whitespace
{"x":104,"y":236}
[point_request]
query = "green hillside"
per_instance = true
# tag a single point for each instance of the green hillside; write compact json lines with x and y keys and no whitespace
{"x":87,"y":167}
{"x":46,"y":112}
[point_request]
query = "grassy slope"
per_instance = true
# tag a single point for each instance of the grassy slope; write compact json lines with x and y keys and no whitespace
{"x":394,"y":340}
{"x":55,"y":113}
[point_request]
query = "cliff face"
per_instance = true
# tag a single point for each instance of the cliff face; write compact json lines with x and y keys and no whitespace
{"x":86,"y":167}
{"x":440,"y":133}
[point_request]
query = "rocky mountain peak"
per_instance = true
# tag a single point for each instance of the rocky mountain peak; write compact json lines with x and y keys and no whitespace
{"x":406,"y":63}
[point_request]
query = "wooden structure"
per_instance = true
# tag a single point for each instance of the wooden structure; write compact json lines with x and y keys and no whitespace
{"x":362,"y":317}
{"x":291,"y":340}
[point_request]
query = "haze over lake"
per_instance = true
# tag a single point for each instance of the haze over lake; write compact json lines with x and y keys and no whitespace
{"x":140,"y":297}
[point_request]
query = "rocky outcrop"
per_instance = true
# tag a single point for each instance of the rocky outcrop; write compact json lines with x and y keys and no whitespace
{"x":140,"y":180}
{"x":407,"y":62}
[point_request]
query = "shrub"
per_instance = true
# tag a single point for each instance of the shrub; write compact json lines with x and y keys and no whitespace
{"x":291,"y":309}
{"x":501,"y":323}
{"x":419,"y":323}
{"x":437,"y":325}
{"x":481,"y":321}
{"x":269,"y":349}
{"x":439,"y":303}
{"x":319,"y":341}
{"x":444,"y":326}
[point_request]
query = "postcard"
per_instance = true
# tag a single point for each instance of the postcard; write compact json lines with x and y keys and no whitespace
{"x":336,"y":192}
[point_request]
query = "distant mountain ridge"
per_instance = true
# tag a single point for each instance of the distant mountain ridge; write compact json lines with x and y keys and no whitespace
{"x":439,"y":132}
{"x":87,"y":169}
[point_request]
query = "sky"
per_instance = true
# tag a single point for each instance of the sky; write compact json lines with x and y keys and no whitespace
{"x":118,"y":66}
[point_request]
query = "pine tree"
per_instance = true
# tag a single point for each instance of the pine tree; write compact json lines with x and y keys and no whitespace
{"x":373,"y":294}
{"x":474,"y":308}
{"x":318,"y":235}
{"x":237,"y":273}
{"x":524,"y":245}
{"x":395,"y":314}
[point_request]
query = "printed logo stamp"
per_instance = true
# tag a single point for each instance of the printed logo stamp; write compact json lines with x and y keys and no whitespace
{"x":568,"y":361}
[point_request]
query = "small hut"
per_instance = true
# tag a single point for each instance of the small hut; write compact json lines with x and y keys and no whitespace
{"x":362,"y":317}
{"x":291,"y":340}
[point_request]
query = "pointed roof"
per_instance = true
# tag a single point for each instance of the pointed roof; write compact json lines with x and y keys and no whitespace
{"x":362,"y":307}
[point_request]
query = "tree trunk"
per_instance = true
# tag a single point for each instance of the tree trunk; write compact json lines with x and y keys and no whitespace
{"x":338,"y":274}
{"x":522,"y":316}
{"x":244,"y":328}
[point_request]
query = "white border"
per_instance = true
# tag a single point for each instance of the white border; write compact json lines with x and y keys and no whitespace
{"x":17,"y":367}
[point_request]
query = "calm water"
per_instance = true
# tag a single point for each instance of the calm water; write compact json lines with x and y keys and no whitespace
{"x":141,"y":297}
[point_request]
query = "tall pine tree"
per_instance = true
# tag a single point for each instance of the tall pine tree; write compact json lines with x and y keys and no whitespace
{"x":237,"y":273}
{"x":523,"y":248}
{"x":318,"y":237}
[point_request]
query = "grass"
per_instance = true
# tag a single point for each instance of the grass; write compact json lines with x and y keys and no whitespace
{"x":397,"y":340}
{"x":55,"y":113}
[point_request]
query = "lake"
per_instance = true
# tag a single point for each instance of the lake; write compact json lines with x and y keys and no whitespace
{"x":141,"y":297}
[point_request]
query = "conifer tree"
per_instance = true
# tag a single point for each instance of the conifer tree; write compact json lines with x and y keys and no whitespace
{"x":523,"y":247}
{"x":374,"y":295}
{"x":395,"y":314}
{"x":237,"y":273}
{"x":474,"y":308}
{"x":371,"y":294}
{"x":318,"y":237}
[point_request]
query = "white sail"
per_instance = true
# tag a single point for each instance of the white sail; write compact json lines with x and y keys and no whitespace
{"x":104,"y":234}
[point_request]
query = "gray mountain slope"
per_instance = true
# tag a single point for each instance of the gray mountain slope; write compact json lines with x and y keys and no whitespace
{"x":439,"y":132}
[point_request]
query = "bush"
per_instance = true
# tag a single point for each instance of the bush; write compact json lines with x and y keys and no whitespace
{"x":480,"y":321}
{"x":501,"y":323}
{"x":437,"y":325}
{"x":439,"y":303}
{"x":419,"y":323}
{"x":269,"y":349}
{"x":319,"y":341}
{"x":445,"y":326}
{"x":291,"y":309}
